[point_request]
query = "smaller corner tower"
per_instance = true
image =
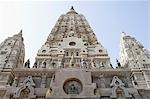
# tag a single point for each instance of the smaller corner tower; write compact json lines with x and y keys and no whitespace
{"x":12,"y":54}
{"x":134,"y":56}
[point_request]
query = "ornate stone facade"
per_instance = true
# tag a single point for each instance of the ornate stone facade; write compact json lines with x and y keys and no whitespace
{"x":73,"y":64}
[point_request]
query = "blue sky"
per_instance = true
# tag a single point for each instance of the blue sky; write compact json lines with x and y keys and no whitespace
{"x":107,"y":19}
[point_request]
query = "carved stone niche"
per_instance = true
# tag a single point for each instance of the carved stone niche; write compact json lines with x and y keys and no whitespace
{"x":72,"y":86}
{"x":118,"y":89}
{"x":74,"y":83}
{"x":26,"y":90}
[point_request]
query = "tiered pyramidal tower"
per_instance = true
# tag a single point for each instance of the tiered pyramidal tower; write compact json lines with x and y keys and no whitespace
{"x":72,"y":39}
{"x":73,"y":64}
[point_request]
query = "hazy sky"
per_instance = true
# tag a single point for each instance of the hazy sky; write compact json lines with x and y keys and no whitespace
{"x":107,"y":19}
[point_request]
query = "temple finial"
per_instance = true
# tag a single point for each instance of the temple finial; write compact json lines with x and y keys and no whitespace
{"x":72,"y":8}
{"x":123,"y":34}
{"x":20,"y":33}
{"x":72,"y":11}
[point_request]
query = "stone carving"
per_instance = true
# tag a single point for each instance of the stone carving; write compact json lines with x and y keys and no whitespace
{"x":61,"y":63}
{"x":97,"y":64}
{"x":101,"y":65}
{"x":53,"y":65}
{"x":71,"y":64}
{"x":51,"y":37}
{"x":43,"y":81}
{"x":84,"y":64}
{"x":102,"y":81}
{"x":26,"y":86}
{"x":88,"y":47}
{"x":72,"y":87}
{"x":129,"y":82}
{"x":118,"y":89}
{"x":14,"y":84}
{"x":93,"y":64}
{"x":3,"y":52}
{"x":43,"y":64}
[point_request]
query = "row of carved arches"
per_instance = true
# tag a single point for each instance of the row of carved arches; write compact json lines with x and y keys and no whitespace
{"x":118,"y":89}
{"x":69,"y":53}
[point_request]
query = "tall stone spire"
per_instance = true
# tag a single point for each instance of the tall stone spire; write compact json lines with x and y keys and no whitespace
{"x":131,"y":51}
{"x":72,"y":43}
{"x":134,"y":56}
{"x":12,"y":52}
{"x":72,"y":35}
{"x":12,"y":55}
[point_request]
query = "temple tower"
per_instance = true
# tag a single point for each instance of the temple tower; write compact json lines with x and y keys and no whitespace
{"x":72,"y":64}
{"x":134,"y":56}
{"x":72,"y":36}
{"x":11,"y":56}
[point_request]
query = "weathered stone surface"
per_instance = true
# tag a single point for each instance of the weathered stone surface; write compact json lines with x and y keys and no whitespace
{"x":73,"y":64}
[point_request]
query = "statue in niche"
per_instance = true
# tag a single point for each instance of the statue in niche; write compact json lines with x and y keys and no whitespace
{"x":92,"y":63}
{"x":83,"y":63}
{"x":96,"y":64}
{"x":53,"y":63}
{"x":118,"y":89}
{"x":43,"y":64}
{"x":102,"y":81}
{"x":27,"y":64}
{"x":129,"y":82}
{"x":73,"y":89}
{"x":101,"y":65}
{"x":25,"y":93}
{"x":61,"y":63}
{"x":26,"y":90}
{"x":72,"y":61}
{"x":71,"y":33}
{"x":48,"y":62}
